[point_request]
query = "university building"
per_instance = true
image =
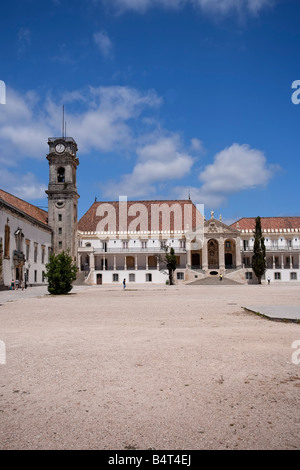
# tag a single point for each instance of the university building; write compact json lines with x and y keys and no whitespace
{"x":127,"y":239}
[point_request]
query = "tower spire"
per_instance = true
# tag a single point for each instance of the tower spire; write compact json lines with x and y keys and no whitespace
{"x":63,"y":121}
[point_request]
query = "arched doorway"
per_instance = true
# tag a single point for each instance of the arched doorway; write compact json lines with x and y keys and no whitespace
{"x":213,"y":254}
{"x":152,"y":262}
{"x":130,"y":262}
{"x":230,"y":257}
{"x":196,"y":261}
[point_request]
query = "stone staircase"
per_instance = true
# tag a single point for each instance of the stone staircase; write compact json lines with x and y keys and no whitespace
{"x":214,"y":281}
{"x":80,"y":279}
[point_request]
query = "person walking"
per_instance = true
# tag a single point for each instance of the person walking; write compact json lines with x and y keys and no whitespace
{"x":124,"y":283}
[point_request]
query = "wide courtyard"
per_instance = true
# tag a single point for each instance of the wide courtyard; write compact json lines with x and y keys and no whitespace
{"x":151,"y":367}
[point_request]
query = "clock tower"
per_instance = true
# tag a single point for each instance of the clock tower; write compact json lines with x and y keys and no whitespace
{"x":62,"y":194}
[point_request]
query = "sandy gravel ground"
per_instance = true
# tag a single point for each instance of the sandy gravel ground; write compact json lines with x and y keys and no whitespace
{"x":181,"y":367}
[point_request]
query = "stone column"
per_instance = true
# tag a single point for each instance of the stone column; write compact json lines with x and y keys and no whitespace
{"x":189,"y":256}
{"x":147,"y":262}
{"x":136,"y":263}
{"x":125,"y":265}
{"x":273,"y":261}
{"x":92,"y":261}
{"x":291,"y":262}
{"x":103,"y":263}
{"x":115,"y":263}
{"x":282,"y":262}
{"x":238,"y":252}
{"x":204,"y":256}
{"x":221,"y":254}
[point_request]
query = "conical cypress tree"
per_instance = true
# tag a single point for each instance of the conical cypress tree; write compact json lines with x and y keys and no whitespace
{"x":259,"y":251}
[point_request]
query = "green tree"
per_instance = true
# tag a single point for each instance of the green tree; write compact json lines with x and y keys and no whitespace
{"x":171,"y":262}
{"x":60,"y":272}
{"x":259,"y":251}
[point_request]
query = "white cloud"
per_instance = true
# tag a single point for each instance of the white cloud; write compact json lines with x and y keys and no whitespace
{"x":26,"y":186}
{"x":219,"y":7}
{"x":158,"y":162}
{"x":235,"y":169}
{"x":197,"y":144}
{"x":103,"y":122}
{"x":141,"y":6}
{"x":104,"y":44}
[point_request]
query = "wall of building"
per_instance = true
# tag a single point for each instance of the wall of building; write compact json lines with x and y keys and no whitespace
{"x":35,"y":234}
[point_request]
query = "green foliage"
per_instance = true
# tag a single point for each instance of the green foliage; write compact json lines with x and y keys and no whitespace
{"x":60,"y":272}
{"x":171,"y":262}
{"x":259,"y":251}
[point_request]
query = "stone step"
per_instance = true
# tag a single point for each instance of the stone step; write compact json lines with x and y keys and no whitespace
{"x":214,"y":280}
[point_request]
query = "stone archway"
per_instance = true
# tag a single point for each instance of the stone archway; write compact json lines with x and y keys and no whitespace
{"x":230,"y":254}
{"x":213,"y":254}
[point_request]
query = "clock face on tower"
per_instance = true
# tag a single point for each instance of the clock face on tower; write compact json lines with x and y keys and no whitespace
{"x":60,"y":148}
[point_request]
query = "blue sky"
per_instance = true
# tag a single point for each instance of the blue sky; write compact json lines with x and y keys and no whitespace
{"x":165,"y":98}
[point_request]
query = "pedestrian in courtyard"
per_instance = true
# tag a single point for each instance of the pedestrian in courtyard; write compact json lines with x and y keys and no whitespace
{"x":269,"y":280}
{"x":221,"y":277}
{"x":124,"y":283}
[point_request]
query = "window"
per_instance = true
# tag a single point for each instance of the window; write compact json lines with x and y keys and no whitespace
{"x":148,"y":277}
{"x":227,"y":245}
{"x":277,"y":276}
{"x":248,"y":275}
{"x":43,"y":254}
{"x":293,"y":276}
{"x":182,"y":243}
{"x":43,"y":276}
{"x":19,"y":239}
{"x":35,"y":275}
{"x":61,"y":175}
{"x":131,"y":277}
{"x":27,"y":249}
{"x":144,"y":245}
{"x":60,"y":245}
{"x":6,"y":241}
{"x":59,"y":217}
{"x":180,"y":276}
{"x":246,"y":244}
{"x":59,"y":231}
{"x":115,"y":277}
{"x":35,"y":252}
{"x":125,"y":245}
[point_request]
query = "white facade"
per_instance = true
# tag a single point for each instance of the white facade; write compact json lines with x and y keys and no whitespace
{"x":109,"y":258}
{"x":282,"y":254}
{"x":26,"y":244}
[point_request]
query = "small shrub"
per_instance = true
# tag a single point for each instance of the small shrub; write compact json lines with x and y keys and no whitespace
{"x":60,"y":272}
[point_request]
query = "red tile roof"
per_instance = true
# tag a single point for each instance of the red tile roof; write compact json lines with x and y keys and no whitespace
{"x":98,"y":212}
{"x":29,"y":209}
{"x":275,"y":223}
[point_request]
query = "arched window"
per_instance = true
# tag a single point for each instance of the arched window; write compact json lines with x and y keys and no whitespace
{"x":6,"y":241}
{"x":61,"y":175}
